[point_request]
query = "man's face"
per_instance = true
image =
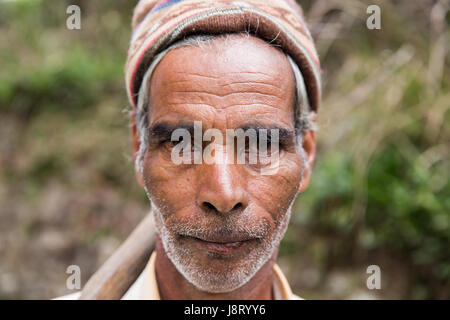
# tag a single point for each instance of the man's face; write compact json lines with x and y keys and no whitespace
{"x":219,"y":223}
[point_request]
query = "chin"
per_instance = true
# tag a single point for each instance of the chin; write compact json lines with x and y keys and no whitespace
{"x":215,"y":272}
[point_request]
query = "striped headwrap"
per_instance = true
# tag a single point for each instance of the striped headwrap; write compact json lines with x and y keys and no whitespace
{"x":158,"y":24}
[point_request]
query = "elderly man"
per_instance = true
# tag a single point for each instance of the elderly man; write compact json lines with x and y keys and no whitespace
{"x":223,"y":65}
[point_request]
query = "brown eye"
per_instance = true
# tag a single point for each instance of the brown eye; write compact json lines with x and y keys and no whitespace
{"x":170,"y":144}
{"x":256,"y":146}
{"x":251,"y":146}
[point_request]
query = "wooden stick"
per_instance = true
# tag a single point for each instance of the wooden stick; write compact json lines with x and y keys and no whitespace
{"x":121,"y":270}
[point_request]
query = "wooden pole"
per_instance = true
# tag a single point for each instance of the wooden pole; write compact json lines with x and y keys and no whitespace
{"x":121,"y":270}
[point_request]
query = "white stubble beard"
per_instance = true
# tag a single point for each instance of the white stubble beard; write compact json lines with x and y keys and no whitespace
{"x":218,"y":282}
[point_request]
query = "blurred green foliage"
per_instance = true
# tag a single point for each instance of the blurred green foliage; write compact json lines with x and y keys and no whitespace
{"x":380,"y":188}
{"x":381,"y":181}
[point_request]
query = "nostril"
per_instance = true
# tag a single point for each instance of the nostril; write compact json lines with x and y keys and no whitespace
{"x":237,"y":206}
{"x":209,"y":206}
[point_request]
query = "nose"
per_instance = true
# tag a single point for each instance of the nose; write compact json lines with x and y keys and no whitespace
{"x":222,"y":190}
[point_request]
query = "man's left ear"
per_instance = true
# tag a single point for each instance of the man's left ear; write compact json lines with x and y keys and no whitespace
{"x":309,"y":147}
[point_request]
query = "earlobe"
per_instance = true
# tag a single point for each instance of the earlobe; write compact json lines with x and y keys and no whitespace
{"x":309,"y":147}
{"x":135,"y":146}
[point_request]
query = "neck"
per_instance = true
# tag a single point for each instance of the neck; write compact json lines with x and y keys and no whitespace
{"x":173,"y":286}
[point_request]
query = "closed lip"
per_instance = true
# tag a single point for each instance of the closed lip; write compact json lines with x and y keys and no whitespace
{"x":222,"y":246}
{"x":220,"y":240}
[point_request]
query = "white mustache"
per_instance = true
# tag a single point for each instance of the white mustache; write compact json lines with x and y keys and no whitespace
{"x":226,"y":232}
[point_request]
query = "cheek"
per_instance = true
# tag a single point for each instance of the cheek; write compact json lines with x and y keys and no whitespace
{"x":275,"y":192}
{"x":169,"y":185}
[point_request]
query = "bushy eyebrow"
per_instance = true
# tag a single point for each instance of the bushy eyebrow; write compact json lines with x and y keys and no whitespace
{"x":163,"y":131}
{"x":285,"y":135}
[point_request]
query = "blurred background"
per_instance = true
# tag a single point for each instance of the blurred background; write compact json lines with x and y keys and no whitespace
{"x":380,"y":191}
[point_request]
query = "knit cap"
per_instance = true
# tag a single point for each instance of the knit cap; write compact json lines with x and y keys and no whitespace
{"x":158,"y":24}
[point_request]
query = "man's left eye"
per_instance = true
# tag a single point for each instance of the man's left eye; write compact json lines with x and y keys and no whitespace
{"x":260,"y":145}
{"x":259,"y":151}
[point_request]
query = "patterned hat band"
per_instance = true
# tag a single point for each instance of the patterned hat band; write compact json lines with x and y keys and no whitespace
{"x":158,"y":24}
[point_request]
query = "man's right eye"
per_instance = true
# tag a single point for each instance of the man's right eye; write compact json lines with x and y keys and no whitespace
{"x":169,"y":144}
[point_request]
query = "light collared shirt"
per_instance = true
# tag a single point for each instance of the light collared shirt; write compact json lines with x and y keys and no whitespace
{"x":146,"y":287}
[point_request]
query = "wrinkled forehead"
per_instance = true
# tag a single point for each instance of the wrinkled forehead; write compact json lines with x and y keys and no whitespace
{"x":234,"y":74}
